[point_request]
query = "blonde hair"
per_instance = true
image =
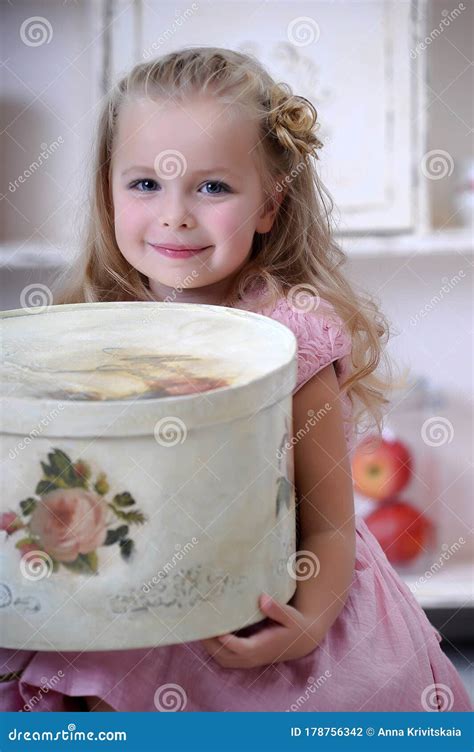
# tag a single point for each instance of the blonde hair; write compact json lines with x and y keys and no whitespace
{"x":299,"y":250}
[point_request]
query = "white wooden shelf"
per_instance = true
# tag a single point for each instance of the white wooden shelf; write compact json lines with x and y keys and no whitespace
{"x":33,"y":256}
{"x":452,"y":586}
{"x":436,"y":242}
{"x":30,"y":256}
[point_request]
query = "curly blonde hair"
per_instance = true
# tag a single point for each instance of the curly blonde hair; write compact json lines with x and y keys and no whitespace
{"x":298,"y":250}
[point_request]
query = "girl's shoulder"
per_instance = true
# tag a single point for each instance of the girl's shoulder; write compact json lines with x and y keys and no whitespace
{"x":321,"y":334}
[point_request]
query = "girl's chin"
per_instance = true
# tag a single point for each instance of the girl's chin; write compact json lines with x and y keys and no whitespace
{"x":164,"y":286}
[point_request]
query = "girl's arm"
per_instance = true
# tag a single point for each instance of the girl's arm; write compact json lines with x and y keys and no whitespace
{"x":324,"y":489}
{"x":326,"y":503}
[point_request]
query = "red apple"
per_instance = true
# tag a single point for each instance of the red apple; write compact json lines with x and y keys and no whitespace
{"x":381,"y":468}
{"x":402,"y":531}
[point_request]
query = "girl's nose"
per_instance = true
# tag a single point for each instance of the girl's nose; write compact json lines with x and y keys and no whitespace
{"x":176,"y":219}
{"x":171,"y":223}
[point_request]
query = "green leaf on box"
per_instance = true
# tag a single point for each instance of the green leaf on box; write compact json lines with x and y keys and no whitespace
{"x":84,"y":564}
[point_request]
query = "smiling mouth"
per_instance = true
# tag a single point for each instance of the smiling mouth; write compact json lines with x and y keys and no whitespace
{"x":172,"y":247}
{"x":177,"y":252}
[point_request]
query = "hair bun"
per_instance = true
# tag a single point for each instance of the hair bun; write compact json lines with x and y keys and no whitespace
{"x":292,"y":118}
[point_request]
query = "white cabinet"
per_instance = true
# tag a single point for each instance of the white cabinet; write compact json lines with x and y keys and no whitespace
{"x":356,"y":60}
{"x":51,"y":85}
{"x":351,"y":59}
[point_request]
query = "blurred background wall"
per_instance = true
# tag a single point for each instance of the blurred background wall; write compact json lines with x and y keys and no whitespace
{"x":392,"y":82}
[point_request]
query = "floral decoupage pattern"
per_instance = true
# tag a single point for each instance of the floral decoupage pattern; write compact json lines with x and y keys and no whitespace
{"x":70,"y":516}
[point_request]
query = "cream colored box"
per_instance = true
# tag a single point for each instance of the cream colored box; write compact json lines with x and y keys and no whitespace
{"x":146,"y":499}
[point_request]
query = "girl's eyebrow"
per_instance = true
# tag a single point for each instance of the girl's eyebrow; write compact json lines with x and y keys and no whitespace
{"x":142,"y":168}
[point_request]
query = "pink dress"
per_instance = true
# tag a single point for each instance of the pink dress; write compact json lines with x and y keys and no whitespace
{"x":381,"y":654}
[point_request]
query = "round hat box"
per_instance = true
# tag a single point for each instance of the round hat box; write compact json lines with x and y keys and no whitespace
{"x":147,"y":491}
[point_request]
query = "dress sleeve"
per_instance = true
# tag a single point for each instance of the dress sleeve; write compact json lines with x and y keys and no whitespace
{"x":322,"y":337}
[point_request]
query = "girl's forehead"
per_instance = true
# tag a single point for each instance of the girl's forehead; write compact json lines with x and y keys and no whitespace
{"x":203,"y":127}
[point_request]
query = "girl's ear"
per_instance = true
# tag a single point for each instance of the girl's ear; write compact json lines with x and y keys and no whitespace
{"x":271,"y":208}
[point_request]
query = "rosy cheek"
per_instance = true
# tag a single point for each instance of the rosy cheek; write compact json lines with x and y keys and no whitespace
{"x":129,"y":217}
{"x":227,"y":221}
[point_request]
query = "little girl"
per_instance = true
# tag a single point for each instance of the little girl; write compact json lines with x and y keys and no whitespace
{"x":202,"y":150}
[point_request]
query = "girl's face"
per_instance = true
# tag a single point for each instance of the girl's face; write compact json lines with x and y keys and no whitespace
{"x":184,"y":175}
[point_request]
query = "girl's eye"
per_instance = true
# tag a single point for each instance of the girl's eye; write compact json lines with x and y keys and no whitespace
{"x":144,"y":181}
{"x":149,"y":186}
{"x":219,"y":185}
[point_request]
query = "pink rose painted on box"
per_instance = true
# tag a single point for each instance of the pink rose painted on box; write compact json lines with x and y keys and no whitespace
{"x":69,"y":522}
{"x":71,"y":517}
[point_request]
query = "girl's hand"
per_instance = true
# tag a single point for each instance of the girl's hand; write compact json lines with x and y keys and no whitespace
{"x":293,"y":636}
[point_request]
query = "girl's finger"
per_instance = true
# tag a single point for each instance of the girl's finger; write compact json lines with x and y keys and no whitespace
{"x":231,"y":661}
{"x":237,"y":645}
{"x":267,"y":641}
{"x":226,"y":658}
{"x":214,"y":647}
{"x":279,"y":612}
